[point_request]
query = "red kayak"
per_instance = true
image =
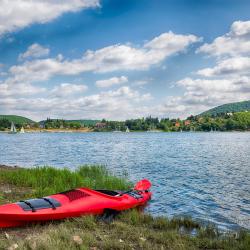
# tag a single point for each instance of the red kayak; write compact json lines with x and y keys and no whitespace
{"x":73,"y":203}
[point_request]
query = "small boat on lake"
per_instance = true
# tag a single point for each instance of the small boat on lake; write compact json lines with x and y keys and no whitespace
{"x":127,"y":130}
{"x":12,"y":129}
{"x":22,"y":130}
{"x":74,"y":203}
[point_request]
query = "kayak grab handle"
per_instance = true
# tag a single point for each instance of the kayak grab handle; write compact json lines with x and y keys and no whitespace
{"x":50,"y":202}
{"x":30,"y":205}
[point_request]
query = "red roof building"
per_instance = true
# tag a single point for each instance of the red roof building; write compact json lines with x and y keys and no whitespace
{"x":177,"y":124}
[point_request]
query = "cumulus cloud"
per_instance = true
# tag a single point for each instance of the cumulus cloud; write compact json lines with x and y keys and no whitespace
{"x":111,"y":81}
{"x":202,"y":94}
{"x":214,"y":89}
{"x":240,"y":28}
{"x":68,"y":89}
{"x":17,"y":14}
{"x":21,"y":89}
{"x":118,"y":104}
{"x":235,"y":43}
{"x":170,"y":43}
{"x":230,"y":66}
{"x":108,"y":59}
{"x":34,"y":51}
{"x":227,"y":81}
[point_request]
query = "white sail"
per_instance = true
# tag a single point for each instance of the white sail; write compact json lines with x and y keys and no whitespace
{"x":12,"y":129}
{"x":22,"y":130}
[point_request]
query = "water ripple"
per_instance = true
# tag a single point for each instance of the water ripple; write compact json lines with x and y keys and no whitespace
{"x":204,"y":175}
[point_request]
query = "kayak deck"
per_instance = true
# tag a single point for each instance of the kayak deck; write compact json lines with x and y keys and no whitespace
{"x":71,"y":203}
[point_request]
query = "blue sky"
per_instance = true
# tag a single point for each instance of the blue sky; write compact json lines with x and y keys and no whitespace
{"x":122,"y":59}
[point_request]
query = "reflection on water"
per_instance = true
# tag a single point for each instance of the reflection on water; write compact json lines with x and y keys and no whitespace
{"x":205,"y":175}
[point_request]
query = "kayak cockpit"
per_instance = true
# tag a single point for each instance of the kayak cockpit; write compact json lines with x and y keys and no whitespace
{"x":38,"y":204}
{"x":108,"y":192}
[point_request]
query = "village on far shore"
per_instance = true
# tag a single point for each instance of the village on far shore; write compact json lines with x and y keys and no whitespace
{"x":227,"y":117}
{"x":239,"y":121}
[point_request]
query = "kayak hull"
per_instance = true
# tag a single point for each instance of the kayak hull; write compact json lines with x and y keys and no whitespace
{"x":72,"y":203}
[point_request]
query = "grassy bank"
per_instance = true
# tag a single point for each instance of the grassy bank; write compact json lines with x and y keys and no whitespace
{"x":130,"y":230}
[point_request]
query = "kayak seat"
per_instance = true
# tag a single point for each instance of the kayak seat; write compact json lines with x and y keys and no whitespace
{"x":108,"y":192}
{"x":75,"y":194}
{"x":37,"y":204}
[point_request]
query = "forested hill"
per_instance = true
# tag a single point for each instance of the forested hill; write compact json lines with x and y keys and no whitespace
{"x":16,"y":119}
{"x":227,"y":108}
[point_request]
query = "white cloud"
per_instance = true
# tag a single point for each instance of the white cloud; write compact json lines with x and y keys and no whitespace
{"x":68,"y":89}
{"x":170,"y":43}
{"x":213,"y":88}
{"x":240,"y":28}
{"x":234,"y":43}
{"x":34,"y":51}
{"x":230,"y":66}
{"x":17,"y":14}
{"x":227,"y":81}
{"x":21,"y":89}
{"x":108,"y":59}
{"x":111,"y":81}
{"x":202,"y":94}
{"x":122,"y":103}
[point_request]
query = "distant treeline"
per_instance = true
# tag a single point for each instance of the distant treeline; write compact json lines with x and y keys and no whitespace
{"x":6,"y":124}
{"x":223,"y":122}
{"x":220,"y":122}
{"x":60,"y":123}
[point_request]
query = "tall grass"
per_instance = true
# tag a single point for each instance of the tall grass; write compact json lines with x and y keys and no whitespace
{"x":49,"y":180}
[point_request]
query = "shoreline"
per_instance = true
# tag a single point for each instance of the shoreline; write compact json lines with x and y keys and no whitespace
{"x":122,"y":132}
{"x":137,"y":230}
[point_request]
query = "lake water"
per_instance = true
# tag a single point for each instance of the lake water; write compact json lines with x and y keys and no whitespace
{"x":204,"y":175}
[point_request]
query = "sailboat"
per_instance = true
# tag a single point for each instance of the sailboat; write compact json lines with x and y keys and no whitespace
{"x":22,"y":130}
{"x":12,"y":129}
{"x":127,"y":130}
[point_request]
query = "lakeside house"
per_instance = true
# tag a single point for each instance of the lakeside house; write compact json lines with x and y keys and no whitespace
{"x":177,"y":124}
{"x":187,"y":122}
{"x":100,"y":125}
{"x":42,"y":124}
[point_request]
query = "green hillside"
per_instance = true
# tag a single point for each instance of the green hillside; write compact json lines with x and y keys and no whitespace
{"x":16,"y":119}
{"x":227,"y":108}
